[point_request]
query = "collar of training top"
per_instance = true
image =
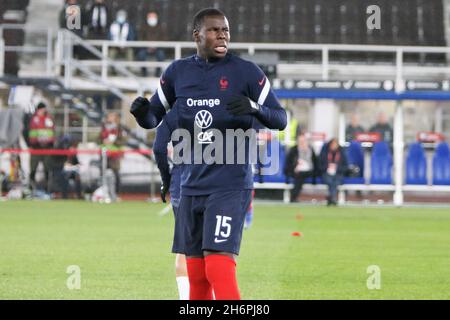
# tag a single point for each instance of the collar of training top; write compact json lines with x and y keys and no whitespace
{"x":210,"y":61}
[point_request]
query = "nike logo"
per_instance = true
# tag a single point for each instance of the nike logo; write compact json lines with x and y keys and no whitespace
{"x":262,"y":81}
{"x":219,"y":241}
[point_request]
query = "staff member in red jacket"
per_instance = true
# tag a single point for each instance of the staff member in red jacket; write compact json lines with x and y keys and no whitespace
{"x":113,"y":138}
{"x":41,"y":136}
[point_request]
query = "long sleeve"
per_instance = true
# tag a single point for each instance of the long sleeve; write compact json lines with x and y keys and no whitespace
{"x":271,"y":113}
{"x":153,"y":116}
{"x":161,"y":101}
{"x":273,"y":117}
{"x":160,"y":150}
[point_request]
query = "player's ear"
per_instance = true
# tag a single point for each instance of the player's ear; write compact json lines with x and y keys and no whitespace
{"x":195,"y":35}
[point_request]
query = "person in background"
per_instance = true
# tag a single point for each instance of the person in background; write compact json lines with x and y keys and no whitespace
{"x":171,"y":182}
{"x":121,"y":31}
{"x":98,"y":20}
{"x":113,"y":138}
{"x":65,"y":13}
{"x":68,"y":12}
{"x":65,"y":167}
{"x":292,"y":134}
{"x":353,"y":128}
{"x":151,"y":31}
{"x":333,"y":165}
{"x":301,"y":163}
{"x":41,"y":136}
{"x":384,"y":128}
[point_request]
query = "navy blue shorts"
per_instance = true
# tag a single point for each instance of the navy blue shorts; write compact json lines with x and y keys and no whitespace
{"x":178,"y":238}
{"x":214,"y":222}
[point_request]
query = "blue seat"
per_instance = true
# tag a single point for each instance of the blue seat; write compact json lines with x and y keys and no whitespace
{"x":416,"y":165}
{"x":381,"y":164}
{"x":353,"y":180}
{"x":355,"y":157}
{"x":441,"y":165}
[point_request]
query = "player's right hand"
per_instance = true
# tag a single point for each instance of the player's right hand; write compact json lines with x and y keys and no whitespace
{"x":165,"y":184}
{"x":139,"y":107}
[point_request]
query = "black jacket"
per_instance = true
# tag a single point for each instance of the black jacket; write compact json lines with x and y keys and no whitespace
{"x":341,"y":165}
{"x":291,"y":161}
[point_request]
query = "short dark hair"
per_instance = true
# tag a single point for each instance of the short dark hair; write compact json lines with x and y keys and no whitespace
{"x":200,"y":16}
{"x":41,"y":105}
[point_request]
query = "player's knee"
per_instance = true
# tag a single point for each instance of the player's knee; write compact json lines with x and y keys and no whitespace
{"x":180,"y":266}
{"x":196,"y":270}
{"x":180,"y":270}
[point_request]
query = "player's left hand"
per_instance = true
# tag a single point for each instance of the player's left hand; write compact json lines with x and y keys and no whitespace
{"x":241,"y":105}
{"x":139,"y":107}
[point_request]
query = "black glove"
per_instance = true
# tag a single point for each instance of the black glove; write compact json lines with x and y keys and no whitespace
{"x":165,"y":184}
{"x":139,"y":107}
{"x":241,"y":105}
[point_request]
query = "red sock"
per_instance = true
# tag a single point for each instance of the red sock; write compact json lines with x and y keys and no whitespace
{"x":199,"y":287}
{"x":221,"y":273}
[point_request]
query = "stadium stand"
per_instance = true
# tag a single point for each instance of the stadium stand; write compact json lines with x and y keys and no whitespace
{"x":308,"y":21}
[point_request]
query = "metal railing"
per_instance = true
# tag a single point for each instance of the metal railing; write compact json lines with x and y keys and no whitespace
{"x":58,"y":51}
{"x":397,"y":68}
{"x":66,"y":41}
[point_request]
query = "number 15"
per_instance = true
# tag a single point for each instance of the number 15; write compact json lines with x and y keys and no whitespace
{"x":222,"y":222}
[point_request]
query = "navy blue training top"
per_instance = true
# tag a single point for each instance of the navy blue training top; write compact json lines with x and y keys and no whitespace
{"x":198,"y":91}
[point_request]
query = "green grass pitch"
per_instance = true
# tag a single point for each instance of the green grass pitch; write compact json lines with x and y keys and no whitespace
{"x":123,"y":251}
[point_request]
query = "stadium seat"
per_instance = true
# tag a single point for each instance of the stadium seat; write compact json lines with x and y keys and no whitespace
{"x":441,"y":165}
{"x":381,"y":164}
{"x":355,"y":157}
{"x":416,"y":165}
{"x":304,"y":21}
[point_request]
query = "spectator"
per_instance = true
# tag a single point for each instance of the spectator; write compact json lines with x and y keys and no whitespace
{"x":120,"y":32}
{"x":112,"y":137}
{"x":333,"y":165}
{"x":64,"y":14}
{"x":152,"y":31}
{"x":300,"y":164}
{"x":98,"y":20}
{"x":65,"y":168}
{"x":384,"y":128}
{"x":41,"y":136}
{"x":353,"y":128}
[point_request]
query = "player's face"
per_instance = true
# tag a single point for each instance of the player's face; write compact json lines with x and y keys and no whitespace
{"x":213,"y":37}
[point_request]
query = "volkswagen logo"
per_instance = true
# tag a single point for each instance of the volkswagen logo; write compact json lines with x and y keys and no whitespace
{"x":203,"y":119}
